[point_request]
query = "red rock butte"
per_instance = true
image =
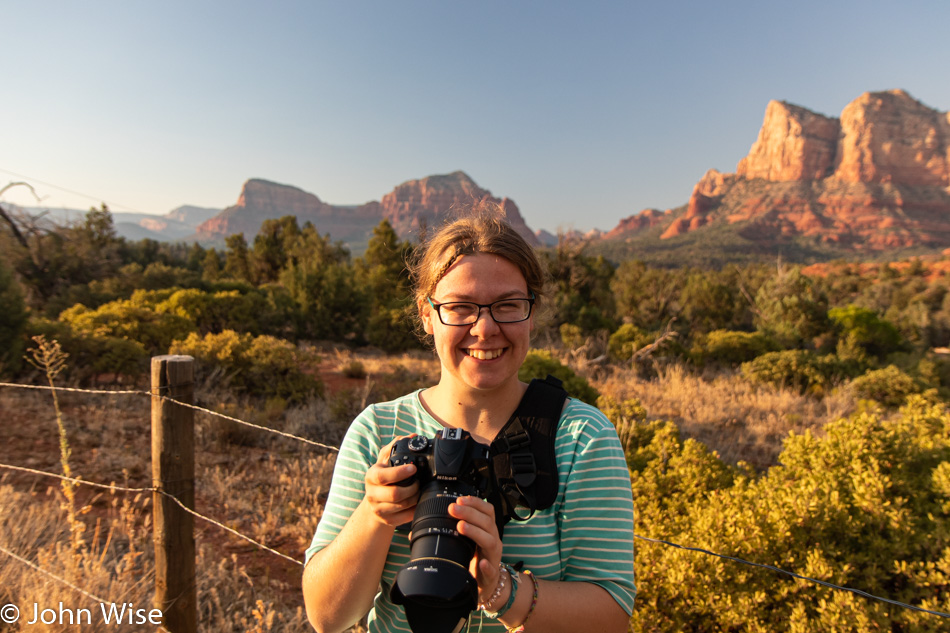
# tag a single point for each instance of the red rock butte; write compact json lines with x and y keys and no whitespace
{"x":409,"y":207}
{"x":876,"y":178}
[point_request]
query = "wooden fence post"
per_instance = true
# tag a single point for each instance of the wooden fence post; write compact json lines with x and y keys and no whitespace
{"x":173,"y":472}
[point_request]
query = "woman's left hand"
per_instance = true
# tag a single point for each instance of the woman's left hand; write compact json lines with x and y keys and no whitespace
{"x":477,"y":522}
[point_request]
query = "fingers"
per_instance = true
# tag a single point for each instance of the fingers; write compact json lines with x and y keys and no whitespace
{"x":477,"y":522}
{"x":386,"y":475}
{"x":391,"y":503}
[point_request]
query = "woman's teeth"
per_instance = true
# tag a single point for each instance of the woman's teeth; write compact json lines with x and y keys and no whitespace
{"x":485,"y":354}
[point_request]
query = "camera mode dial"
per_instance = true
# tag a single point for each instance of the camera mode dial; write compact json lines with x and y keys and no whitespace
{"x":418,"y":444}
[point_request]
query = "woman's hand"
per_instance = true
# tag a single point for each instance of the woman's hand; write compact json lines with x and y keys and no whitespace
{"x":477,"y":522}
{"x":391,"y":504}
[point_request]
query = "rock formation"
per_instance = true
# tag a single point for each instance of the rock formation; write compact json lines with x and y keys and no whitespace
{"x":409,"y":207}
{"x":793,"y":144}
{"x":876,"y":178}
{"x":889,"y":137}
{"x":636,"y":223}
{"x":416,"y":204}
{"x":263,"y":200}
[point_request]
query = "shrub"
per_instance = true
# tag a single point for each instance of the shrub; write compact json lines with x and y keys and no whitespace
{"x":864,"y":506}
{"x":889,"y":386}
{"x":792,"y":308}
{"x":217,"y":311}
{"x":863,"y":327}
{"x":572,"y":336}
{"x":92,"y":355}
{"x":626,"y":340}
{"x":259,"y":366}
{"x":539,"y":363}
{"x":729,"y":347}
{"x":129,"y":319}
{"x":797,"y":369}
{"x":392,"y":330}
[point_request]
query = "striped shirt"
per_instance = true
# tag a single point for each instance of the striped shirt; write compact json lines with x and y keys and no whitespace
{"x":587,"y":535}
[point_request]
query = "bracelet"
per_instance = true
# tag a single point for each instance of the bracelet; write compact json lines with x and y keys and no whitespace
{"x":513,"y":575}
{"x":502,"y":570}
{"x":511,"y":596}
{"x":534,"y":603}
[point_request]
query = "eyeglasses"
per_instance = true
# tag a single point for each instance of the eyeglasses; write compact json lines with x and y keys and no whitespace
{"x":467,"y":313}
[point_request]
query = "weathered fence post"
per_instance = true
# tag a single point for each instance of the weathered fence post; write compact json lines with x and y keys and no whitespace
{"x":173,"y":472}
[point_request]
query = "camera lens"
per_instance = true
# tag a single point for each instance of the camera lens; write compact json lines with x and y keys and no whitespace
{"x":435,"y":587}
{"x":434,"y":533}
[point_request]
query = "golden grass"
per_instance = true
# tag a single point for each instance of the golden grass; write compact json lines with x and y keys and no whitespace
{"x":740,"y":421}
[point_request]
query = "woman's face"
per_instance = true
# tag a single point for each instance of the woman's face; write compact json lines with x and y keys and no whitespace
{"x":486,"y":355}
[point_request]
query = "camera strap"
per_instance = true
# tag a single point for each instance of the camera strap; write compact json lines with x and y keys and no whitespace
{"x":523,"y":460}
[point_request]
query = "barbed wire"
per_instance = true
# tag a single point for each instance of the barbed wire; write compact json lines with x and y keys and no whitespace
{"x":139,"y":392}
{"x":114,"y":487}
{"x":333,"y":448}
{"x":59,"y":579}
{"x":794,"y":575}
{"x":51,"y":575}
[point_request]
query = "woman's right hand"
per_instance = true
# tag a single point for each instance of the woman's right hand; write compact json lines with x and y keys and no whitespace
{"x":391,"y":504}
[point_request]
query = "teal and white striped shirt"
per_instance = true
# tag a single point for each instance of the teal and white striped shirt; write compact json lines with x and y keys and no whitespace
{"x":587,"y":535}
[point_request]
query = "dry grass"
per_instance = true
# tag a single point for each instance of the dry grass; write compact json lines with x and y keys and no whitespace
{"x":740,"y":421}
{"x":271,"y":491}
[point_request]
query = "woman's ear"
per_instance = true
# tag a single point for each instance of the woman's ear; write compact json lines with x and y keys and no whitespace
{"x":425,"y":313}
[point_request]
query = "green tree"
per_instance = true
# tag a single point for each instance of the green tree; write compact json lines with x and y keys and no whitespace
{"x":237,"y":258}
{"x":861,"y":327}
{"x":582,"y":294}
{"x":791,"y":309}
{"x":272,"y":247}
{"x":647,"y":297}
{"x":13,"y":319}
{"x":383,"y":274}
{"x":211,"y":265}
{"x":324,"y":287}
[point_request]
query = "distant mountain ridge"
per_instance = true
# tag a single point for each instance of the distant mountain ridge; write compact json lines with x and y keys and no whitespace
{"x":409,"y":208}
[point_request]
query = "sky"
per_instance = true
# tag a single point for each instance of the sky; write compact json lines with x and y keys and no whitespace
{"x":583,"y":113}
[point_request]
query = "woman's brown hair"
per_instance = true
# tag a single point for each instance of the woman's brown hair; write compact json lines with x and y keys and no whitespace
{"x":483,"y":229}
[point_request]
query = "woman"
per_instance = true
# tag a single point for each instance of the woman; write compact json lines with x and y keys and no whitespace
{"x":578,"y":554}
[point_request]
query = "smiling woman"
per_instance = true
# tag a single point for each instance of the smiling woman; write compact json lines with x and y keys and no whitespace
{"x":477,"y":284}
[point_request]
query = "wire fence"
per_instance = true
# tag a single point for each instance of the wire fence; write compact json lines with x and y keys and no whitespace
{"x":263,"y":547}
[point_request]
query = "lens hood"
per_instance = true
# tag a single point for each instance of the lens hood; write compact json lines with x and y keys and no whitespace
{"x":438,"y":594}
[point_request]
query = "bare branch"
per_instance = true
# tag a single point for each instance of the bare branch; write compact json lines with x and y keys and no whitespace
{"x":9,"y":219}
{"x":647,"y":350}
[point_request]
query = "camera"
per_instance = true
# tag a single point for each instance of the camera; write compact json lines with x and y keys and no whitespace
{"x":435,"y":586}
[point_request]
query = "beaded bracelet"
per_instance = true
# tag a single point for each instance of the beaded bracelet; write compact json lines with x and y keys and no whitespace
{"x":484,"y":606}
{"x":513,"y":575}
{"x":534,"y":603}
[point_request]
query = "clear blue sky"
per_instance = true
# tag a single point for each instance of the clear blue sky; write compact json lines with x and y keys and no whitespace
{"x":582,"y":112}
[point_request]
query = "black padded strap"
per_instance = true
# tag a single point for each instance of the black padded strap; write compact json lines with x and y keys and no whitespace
{"x":524,"y":463}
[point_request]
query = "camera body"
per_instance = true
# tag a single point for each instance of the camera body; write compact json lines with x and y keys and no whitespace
{"x":450,"y":456}
{"x":435,"y":587}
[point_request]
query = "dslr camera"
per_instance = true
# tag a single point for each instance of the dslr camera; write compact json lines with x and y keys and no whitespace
{"x":435,"y":586}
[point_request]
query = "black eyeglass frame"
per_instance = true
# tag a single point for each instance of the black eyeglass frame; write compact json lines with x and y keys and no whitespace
{"x":478,"y":314}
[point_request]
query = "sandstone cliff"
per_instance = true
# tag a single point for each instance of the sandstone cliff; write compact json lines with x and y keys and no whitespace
{"x":409,"y":207}
{"x":263,"y":200}
{"x":876,"y":178}
{"x":416,"y":204}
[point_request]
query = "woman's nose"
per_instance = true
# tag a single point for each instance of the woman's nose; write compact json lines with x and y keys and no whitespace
{"x":485,"y":324}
